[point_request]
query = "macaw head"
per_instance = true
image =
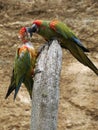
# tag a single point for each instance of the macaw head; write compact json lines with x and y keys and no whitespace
{"x":35,"y":27}
{"x":23,"y":34}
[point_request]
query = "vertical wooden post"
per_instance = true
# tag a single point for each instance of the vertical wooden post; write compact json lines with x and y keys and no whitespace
{"x":46,"y":88}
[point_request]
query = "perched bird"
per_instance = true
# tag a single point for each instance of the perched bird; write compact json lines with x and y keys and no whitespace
{"x":68,"y":40}
{"x":23,"y":70}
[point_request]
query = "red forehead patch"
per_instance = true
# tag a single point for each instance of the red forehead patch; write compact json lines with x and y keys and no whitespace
{"x":37,"y":22}
{"x":22,"y":30}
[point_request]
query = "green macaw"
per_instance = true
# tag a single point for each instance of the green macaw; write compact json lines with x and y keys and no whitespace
{"x":68,"y":40}
{"x":23,"y":69}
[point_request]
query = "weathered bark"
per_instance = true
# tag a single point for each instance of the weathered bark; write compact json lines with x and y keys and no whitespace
{"x":46,"y":88}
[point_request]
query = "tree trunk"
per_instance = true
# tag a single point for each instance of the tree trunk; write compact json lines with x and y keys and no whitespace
{"x":46,"y":88}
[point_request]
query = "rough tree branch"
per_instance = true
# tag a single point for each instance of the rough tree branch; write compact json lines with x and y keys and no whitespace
{"x":46,"y":88}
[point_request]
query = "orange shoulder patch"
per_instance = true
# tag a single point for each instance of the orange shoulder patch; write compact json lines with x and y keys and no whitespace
{"x":53,"y":23}
{"x":23,"y":48}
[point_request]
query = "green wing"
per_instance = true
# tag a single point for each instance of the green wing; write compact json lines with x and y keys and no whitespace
{"x":73,"y":44}
{"x":67,"y":34}
{"x":63,"y":30}
{"x":21,"y":68}
{"x":22,"y":65}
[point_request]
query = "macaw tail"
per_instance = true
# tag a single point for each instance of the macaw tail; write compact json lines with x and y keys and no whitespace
{"x":12,"y":86}
{"x":18,"y":86}
{"x":29,"y":85}
{"x":10,"y":90}
{"x":78,"y":53}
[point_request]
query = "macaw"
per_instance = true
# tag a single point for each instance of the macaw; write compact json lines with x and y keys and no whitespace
{"x":68,"y":40}
{"x":23,"y":70}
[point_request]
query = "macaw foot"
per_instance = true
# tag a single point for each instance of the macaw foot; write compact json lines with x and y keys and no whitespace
{"x":51,"y":40}
{"x":35,"y":72}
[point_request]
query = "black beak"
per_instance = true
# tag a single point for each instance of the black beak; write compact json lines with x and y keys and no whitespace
{"x":32,"y":30}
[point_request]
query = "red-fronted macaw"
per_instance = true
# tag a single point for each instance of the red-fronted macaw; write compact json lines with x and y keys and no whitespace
{"x":68,"y":40}
{"x":23,"y":70}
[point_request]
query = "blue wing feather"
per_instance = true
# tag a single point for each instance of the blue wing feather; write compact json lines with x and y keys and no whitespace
{"x":76,"y":40}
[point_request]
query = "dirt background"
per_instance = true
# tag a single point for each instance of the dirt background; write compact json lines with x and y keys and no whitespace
{"x":78,"y":105}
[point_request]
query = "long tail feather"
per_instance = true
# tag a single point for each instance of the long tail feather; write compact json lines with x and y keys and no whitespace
{"x":18,"y":87}
{"x":78,"y":53}
{"x":29,"y":85}
{"x":12,"y":86}
{"x":10,"y":89}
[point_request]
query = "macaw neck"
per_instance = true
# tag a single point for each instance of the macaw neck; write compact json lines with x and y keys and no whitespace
{"x":24,"y":41}
{"x":28,"y":44}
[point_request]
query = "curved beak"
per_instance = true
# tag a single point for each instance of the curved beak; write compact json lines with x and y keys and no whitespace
{"x":32,"y":29}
